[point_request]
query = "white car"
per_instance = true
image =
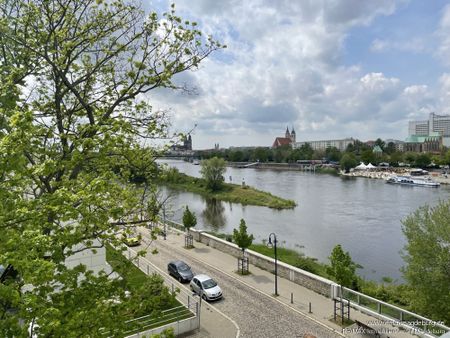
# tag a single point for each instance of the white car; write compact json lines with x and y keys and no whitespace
{"x":206,"y":287}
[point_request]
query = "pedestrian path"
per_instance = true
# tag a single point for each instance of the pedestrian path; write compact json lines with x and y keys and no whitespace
{"x":312,"y":305}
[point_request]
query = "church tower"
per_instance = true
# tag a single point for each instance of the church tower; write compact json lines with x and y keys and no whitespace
{"x":293,"y":135}
{"x":287,"y":134}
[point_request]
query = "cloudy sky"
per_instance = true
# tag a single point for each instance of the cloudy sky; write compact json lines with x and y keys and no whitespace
{"x":329,"y":68}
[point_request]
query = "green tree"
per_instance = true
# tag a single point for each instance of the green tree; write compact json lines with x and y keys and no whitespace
{"x":422,"y":160}
{"x":306,"y":152}
{"x":212,"y":171}
{"x":333,"y":154}
{"x":243,"y":240}
{"x":241,"y":237}
{"x":87,"y":65}
{"x":367,"y":156}
{"x":427,"y":257}
{"x":410,"y":157}
{"x":446,"y":158}
{"x":261,"y":154}
{"x":342,"y":268}
{"x":348,"y":161}
{"x":390,"y":148}
{"x":189,"y":219}
{"x":395,"y":158}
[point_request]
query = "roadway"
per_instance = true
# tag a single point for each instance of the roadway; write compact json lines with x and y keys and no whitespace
{"x":255,"y":313}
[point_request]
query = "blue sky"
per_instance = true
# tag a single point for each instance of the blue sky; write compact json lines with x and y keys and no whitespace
{"x":330,"y":69}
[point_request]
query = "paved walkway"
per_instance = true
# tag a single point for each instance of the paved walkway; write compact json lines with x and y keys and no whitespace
{"x":312,"y":305}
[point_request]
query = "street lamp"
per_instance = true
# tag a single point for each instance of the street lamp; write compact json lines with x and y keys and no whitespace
{"x":274,"y":244}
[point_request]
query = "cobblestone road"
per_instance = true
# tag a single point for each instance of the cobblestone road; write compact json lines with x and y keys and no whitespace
{"x":256,"y":314}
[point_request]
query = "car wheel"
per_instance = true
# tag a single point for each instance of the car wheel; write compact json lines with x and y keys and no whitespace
{"x":180,"y":279}
{"x":204,"y":297}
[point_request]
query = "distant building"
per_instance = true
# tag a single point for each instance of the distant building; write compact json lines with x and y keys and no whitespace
{"x":398,"y":145}
{"x":287,"y":140}
{"x":436,"y":124}
{"x":377,"y":150}
{"x":341,"y":145}
{"x":186,"y":146}
{"x":424,"y":144}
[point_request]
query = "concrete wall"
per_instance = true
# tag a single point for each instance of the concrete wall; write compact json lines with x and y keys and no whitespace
{"x":313,"y":282}
{"x":180,"y":327}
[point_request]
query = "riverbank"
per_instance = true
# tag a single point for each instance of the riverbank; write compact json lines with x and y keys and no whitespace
{"x":233,"y":193}
{"x":385,"y":174}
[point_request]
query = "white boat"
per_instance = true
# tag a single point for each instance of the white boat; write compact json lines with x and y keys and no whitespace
{"x":409,"y":180}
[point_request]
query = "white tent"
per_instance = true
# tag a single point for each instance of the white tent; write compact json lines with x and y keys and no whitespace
{"x":361,"y":166}
{"x":370,"y":166}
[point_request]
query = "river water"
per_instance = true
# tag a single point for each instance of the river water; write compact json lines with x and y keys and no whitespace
{"x":363,"y":215}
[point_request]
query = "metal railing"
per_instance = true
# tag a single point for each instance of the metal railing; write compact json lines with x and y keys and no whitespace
{"x":183,"y":318}
{"x":393,"y":315}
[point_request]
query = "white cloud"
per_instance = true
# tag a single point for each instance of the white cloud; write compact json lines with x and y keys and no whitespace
{"x":283,"y":66}
{"x":443,"y":33}
{"x":415,"y":45}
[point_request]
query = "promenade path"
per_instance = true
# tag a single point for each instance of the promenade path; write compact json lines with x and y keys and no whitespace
{"x":249,"y":305}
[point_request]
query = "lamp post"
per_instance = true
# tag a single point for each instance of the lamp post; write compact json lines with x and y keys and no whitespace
{"x":274,"y":244}
{"x":164,"y":221}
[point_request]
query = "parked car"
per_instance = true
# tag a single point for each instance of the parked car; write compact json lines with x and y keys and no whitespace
{"x":131,"y":239}
{"x":180,"y":270}
{"x":206,"y":287}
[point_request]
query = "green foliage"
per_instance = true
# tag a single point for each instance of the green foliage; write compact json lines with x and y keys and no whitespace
{"x":147,"y":291}
{"x":292,"y":257}
{"x":212,"y":171}
{"x":348,"y":161}
{"x":229,"y":192}
{"x":446,"y":159}
{"x":427,"y":257}
{"x":342,"y":268}
{"x":386,"y":291}
{"x":333,"y":154}
{"x":241,"y":237}
{"x":367,"y":156}
{"x":69,"y":149}
{"x":189,"y":219}
{"x":422,"y":160}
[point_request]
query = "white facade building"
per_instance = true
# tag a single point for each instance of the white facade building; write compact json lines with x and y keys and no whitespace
{"x":341,"y":145}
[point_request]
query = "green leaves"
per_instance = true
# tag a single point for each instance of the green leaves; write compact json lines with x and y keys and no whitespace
{"x":69,"y":148}
{"x":241,"y":237}
{"x":342,"y":268}
{"x":427,"y":255}
{"x":212,"y":171}
{"x":189,"y":219}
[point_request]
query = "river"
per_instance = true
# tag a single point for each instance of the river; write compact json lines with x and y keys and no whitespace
{"x":363,"y":215}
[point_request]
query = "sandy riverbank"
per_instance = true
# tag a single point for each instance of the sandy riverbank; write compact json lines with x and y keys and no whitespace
{"x":387,"y":174}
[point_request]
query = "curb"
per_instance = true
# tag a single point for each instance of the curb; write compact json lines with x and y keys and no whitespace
{"x":265,"y":294}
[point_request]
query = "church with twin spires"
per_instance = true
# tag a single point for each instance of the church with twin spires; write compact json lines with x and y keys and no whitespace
{"x":287,"y":140}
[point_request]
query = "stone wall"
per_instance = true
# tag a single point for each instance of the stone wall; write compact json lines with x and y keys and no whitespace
{"x":313,"y":282}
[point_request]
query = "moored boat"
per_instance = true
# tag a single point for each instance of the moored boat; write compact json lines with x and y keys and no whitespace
{"x":414,"y":181}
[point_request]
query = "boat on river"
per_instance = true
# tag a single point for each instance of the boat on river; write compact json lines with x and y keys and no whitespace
{"x":414,"y":181}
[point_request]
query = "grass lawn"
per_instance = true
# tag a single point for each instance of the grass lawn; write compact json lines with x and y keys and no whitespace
{"x":293,"y":258}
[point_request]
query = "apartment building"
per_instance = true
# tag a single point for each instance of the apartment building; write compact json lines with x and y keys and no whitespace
{"x":341,"y":145}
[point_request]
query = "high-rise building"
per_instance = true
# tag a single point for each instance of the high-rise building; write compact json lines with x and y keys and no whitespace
{"x":419,"y":128}
{"x":439,"y":124}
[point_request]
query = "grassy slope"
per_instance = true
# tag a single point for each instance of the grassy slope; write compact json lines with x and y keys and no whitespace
{"x":293,"y":258}
{"x":230,"y":193}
